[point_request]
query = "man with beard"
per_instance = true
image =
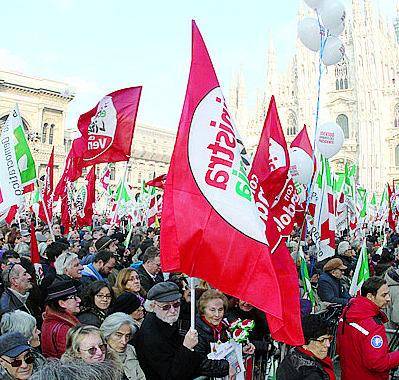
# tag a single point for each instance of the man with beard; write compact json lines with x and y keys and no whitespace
{"x":161,"y":351}
{"x":99,"y":269}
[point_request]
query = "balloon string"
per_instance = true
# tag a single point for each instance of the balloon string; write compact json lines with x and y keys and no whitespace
{"x":309,"y":187}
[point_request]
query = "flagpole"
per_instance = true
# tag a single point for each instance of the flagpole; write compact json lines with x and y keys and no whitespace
{"x":46,"y":213}
{"x":113,"y":221}
{"x":192,"y":304}
{"x":19,"y":219}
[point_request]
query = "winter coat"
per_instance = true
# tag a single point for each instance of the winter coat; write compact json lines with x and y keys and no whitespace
{"x":211,"y":368}
{"x":92,"y":317}
{"x":10,"y":302}
{"x":297,"y":365}
{"x":130,"y":364}
{"x":161,"y":353}
{"x":331,"y":290}
{"x":146,"y":281}
{"x":392,"y":279}
{"x":54,"y":331}
{"x":362,"y":342}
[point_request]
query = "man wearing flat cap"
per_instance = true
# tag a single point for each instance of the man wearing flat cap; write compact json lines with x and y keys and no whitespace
{"x":162,"y":353}
{"x":330,"y":287}
{"x":16,"y":358}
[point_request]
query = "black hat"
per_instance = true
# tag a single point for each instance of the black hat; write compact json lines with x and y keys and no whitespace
{"x":164,"y":292}
{"x":314,"y":326}
{"x":103,"y":243}
{"x":126,"y":303}
{"x":59,"y":290}
{"x":13,"y":344}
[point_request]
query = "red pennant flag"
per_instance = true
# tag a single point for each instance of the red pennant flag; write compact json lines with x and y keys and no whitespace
{"x":210,"y":225}
{"x":391,"y":220}
{"x":269,"y":172}
{"x":66,"y":213}
{"x":47,"y":191}
{"x":157,"y":182}
{"x":11,"y":214}
{"x":85,"y":200}
{"x":302,"y":141}
{"x":34,"y":250}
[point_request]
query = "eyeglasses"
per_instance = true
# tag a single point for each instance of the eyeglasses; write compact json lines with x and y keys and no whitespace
{"x":28,"y":359}
{"x":93,"y":350}
{"x":326,"y":339}
{"x":104,"y":296}
{"x":167,"y":307}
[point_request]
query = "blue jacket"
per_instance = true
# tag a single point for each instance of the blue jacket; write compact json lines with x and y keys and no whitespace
{"x":331,"y":290}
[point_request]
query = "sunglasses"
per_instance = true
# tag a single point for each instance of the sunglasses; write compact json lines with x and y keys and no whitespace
{"x":93,"y":350}
{"x":175,"y":305}
{"x":28,"y":359}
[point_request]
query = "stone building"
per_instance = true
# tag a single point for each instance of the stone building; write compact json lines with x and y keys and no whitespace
{"x":361,"y":94}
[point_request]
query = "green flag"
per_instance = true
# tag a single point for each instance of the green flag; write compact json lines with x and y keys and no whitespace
{"x":307,"y":286}
{"x":362,"y":272}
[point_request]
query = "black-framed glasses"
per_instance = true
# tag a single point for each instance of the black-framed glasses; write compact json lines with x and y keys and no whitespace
{"x":326,"y":339}
{"x":93,"y":350}
{"x":167,"y":307}
{"x":104,"y":296}
{"x":28,"y":359}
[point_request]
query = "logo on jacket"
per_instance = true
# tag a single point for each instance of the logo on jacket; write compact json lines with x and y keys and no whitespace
{"x":376,"y":341}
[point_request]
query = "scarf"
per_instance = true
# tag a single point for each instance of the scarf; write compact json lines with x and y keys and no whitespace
{"x":216,"y":330}
{"x":326,"y":363}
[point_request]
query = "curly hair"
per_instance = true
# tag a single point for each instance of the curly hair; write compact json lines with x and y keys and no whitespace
{"x":209,"y":295}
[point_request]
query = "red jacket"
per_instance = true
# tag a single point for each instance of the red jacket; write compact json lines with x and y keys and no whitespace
{"x":362,"y":342}
{"x":54,"y":331}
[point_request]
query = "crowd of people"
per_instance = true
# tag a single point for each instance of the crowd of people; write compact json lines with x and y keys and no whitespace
{"x":98,"y":308}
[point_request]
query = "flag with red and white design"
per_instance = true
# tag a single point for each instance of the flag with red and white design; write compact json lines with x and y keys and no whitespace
{"x":211,"y":227}
{"x":47,"y":192}
{"x":85,"y":200}
{"x":152,"y":212}
{"x":157,"y":182}
{"x":105,"y":178}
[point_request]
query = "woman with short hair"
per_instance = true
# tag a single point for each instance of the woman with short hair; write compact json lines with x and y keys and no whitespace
{"x":96,"y":302}
{"x":86,"y":343}
{"x":118,"y":329}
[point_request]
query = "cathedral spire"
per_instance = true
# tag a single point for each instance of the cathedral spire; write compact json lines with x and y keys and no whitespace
{"x":396,"y":22}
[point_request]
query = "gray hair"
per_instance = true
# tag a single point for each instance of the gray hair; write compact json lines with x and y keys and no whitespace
{"x":149,"y":305}
{"x":114,"y":321}
{"x":9,"y":273}
{"x":77,"y":370}
{"x":64,"y":261}
{"x":18,"y":321}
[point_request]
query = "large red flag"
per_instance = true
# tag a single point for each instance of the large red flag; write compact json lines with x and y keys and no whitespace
{"x":271,"y":163}
{"x":47,"y":191}
{"x":66,"y":212}
{"x":157,"y":182}
{"x":85,"y":199}
{"x":210,"y":227}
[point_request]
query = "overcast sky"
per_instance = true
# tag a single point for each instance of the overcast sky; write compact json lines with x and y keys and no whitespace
{"x":100,"y":46}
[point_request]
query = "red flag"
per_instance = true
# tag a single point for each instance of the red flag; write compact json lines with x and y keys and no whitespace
{"x":391,"y":220}
{"x":109,"y":126}
{"x":34,"y":250}
{"x":47,"y":191}
{"x":105,"y":178}
{"x":11,"y":214}
{"x":157,"y":182}
{"x":210,"y":225}
{"x":85,"y":199}
{"x":271,"y":164}
{"x":302,"y":141}
{"x":65,"y":212}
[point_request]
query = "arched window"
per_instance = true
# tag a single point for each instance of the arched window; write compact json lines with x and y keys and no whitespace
{"x":342,"y":121}
{"x":396,"y":117}
{"x":44,"y":133}
{"x":397,"y":155}
{"x":292,"y":125}
{"x":51,"y":134}
{"x":341,"y":75}
{"x":24,"y":122}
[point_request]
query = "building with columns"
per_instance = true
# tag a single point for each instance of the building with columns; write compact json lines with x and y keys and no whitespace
{"x":361,"y":94}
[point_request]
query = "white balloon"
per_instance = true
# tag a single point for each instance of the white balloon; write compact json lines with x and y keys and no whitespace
{"x":334,"y":51}
{"x":315,"y":4}
{"x":309,"y":33}
{"x":332,"y":14}
{"x":337,"y":31}
{"x":329,"y":139}
{"x":301,"y":166}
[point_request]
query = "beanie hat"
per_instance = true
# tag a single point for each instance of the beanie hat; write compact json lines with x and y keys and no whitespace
{"x":126,"y":303}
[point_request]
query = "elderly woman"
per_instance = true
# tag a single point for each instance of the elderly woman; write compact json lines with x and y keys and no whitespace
{"x":22,"y":322}
{"x":96,"y":302}
{"x":128,"y":280}
{"x":62,"y":305}
{"x":211,"y":328}
{"x":311,"y":360}
{"x":85,"y":343}
{"x":118,"y":329}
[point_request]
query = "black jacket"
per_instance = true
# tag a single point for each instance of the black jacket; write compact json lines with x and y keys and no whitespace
{"x":146,"y":280}
{"x":91,"y":316}
{"x":299,"y":366}
{"x":211,"y":368}
{"x":331,"y":290}
{"x":10,"y":302}
{"x":161,"y":353}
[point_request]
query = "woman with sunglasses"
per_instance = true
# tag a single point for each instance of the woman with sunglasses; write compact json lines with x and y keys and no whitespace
{"x":118,"y":329}
{"x":16,"y":359}
{"x":96,"y":301}
{"x":310,"y":361}
{"x":86,"y":343}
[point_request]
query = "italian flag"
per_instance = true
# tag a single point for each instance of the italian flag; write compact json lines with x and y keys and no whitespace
{"x":307,"y":286}
{"x":362,"y":271}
